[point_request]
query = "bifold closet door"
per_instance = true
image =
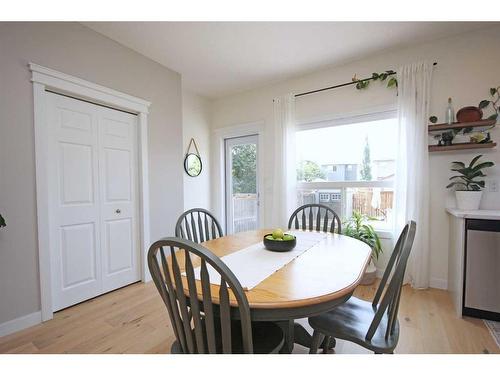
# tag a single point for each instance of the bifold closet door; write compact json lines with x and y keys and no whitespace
{"x":118,"y":173}
{"x":92,"y":199}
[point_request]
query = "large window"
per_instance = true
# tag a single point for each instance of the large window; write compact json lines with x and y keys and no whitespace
{"x":349,"y":167}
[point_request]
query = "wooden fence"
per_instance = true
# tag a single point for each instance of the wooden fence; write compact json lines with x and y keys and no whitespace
{"x":362,"y":202}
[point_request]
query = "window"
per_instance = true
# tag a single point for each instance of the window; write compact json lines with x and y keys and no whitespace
{"x":349,"y":166}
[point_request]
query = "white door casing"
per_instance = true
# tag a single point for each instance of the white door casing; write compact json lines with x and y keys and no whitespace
{"x":93,"y":199}
{"x":44,"y":80}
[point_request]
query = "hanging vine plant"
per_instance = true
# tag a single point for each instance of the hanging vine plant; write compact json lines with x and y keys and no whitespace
{"x":382,"y":77}
{"x":494,"y":102}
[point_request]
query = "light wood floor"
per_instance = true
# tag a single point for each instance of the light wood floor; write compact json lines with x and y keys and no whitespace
{"x":134,"y":320}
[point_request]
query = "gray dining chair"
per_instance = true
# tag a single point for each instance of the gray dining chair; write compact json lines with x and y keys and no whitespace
{"x":198,"y":225}
{"x":316,"y":217}
{"x":373,"y":325}
{"x":199,"y":325}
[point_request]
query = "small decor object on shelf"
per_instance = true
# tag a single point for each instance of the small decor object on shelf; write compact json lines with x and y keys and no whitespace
{"x":469,"y":114}
{"x":447,"y":137}
{"x":357,"y":227}
{"x":433,"y":119}
{"x":279,"y":241}
{"x":2,"y":222}
{"x":468,"y":183}
{"x":450,"y":114}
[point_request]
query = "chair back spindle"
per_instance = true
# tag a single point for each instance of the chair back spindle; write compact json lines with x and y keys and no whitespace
{"x":316,"y":217}
{"x":198,"y":225}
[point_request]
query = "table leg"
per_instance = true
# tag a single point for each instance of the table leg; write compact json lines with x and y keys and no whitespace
{"x":303,"y":337}
{"x":288,"y":329}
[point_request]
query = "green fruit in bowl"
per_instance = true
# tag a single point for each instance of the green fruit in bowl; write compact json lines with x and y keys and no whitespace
{"x":278,"y":233}
{"x":288,"y":237}
{"x":269,"y":237}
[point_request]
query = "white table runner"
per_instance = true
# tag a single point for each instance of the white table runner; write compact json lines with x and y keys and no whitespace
{"x":254,"y":264}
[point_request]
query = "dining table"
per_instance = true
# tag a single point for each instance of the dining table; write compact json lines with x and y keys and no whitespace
{"x":316,"y":281}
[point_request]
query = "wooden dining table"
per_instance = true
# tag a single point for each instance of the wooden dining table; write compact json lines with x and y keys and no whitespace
{"x":319,"y":279}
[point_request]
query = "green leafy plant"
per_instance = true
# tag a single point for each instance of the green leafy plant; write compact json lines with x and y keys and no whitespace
{"x":2,"y":222}
{"x":469,"y":178}
{"x":357,"y":227}
{"x":433,"y":119}
{"x":364,"y":83}
{"x":494,"y":102}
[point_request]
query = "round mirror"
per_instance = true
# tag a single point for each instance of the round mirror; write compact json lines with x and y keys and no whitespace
{"x":192,"y":165}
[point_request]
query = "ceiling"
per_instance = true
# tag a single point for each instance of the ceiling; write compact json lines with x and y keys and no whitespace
{"x":221,"y":58}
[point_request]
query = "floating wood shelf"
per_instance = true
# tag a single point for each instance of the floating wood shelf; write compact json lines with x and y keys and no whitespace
{"x":460,"y":125}
{"x":461,"y":146}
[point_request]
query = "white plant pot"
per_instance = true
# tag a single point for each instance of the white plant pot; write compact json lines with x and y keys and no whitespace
{"x":468,"y":200}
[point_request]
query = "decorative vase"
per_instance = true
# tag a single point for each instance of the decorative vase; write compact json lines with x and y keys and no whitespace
{"x":468,"y":200}
{"x":369,"y":275}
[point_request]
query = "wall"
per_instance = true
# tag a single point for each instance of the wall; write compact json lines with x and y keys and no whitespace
{"x":196,"y":124}
{"x":468,"y":64}
{"x":76,"y":50}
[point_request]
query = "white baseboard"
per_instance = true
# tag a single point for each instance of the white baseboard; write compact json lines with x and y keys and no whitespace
{"x":433,"y":283}
{"x":20,"y":323}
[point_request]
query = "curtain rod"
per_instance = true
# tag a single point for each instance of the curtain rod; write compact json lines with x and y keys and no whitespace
{"x":342,"y":85}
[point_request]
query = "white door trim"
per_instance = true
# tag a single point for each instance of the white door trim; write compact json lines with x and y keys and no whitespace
{"x":218,"y":165}
{"x":47,"y":79}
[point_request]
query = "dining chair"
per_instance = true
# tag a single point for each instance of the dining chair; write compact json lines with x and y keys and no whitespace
{"x":201,"y":326}
{"x":315,"y":217}
{"x":198,"y":225}
{"x":373,"y":325}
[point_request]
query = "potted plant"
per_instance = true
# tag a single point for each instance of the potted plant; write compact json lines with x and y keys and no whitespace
{"x":468,"y":183}
{"x":357,"y":227}
{"x":2,"y":221}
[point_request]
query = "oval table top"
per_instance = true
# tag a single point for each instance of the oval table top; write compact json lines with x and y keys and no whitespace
{"x":329,"y":271}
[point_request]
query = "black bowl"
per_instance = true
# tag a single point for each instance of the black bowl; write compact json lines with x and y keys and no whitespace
{"x":280,"y":246}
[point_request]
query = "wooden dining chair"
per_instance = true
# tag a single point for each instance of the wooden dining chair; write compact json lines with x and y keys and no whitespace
{"x":316,"y":217}
{"x":198,"y":225}
{"x":373,"y":325}
{"x":199,"y":325}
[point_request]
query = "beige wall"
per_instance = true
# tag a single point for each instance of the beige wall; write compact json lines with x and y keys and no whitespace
{"x":196,"y":124}
{"x":74,"y":49}
{"x":468,"y":64}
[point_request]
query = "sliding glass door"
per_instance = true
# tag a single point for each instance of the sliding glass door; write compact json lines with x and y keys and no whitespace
{"x":242,"y":190}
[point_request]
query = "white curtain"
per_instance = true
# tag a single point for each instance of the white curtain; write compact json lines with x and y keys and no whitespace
{"x":412,"y":166}
{"x":284,"y":167}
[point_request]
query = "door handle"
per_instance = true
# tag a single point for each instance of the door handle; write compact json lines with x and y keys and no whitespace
{"x":118,"y":211}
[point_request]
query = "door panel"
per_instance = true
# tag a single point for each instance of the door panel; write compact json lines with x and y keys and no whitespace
{"x":78,"y":254}
{"x":119,"y":245}
{"x":93,"y":199}
{"x":117,"y":173}
{"x":76,"y":173}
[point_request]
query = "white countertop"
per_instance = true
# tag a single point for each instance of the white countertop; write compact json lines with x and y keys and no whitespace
{"x":475,"y":214}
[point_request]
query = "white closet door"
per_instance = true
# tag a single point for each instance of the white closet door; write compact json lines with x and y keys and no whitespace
{"x":91,"y":250}
{"x":74,"y":201}
{"x":118,"y":191}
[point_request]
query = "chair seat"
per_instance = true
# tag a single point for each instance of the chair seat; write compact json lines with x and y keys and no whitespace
{"x":268,"y":338}
{"x":351,"y":320}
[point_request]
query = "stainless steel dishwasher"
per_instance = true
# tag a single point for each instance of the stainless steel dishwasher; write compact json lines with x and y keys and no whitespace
{"x":482,"y":269}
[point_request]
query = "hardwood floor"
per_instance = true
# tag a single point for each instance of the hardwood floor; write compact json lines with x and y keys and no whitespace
{"x":134,"y":320}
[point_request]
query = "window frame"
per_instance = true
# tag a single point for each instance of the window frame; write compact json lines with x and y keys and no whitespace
{"x":374,"y":114}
